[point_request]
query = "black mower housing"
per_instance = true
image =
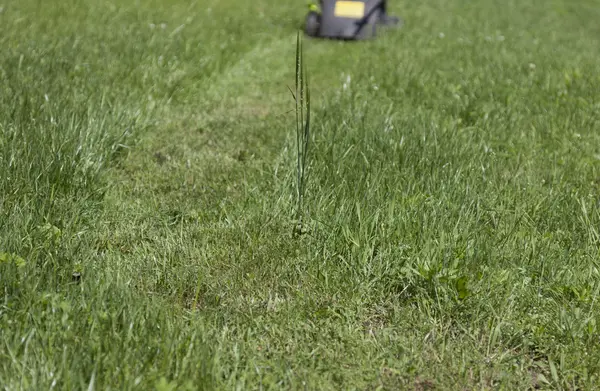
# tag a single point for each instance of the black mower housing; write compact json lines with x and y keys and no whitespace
{"x":352,"y":20}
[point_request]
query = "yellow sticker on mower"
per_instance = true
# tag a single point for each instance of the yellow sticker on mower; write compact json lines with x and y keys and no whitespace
{"x":349,"y":9}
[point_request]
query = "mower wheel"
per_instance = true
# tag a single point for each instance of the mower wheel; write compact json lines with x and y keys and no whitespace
{"x":312,"y":24}
{"x":390,"y":21}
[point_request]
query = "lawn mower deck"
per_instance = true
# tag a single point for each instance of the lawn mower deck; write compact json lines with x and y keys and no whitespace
{"x":350,"y":20}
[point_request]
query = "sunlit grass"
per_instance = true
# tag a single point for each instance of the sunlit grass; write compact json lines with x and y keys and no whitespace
{"x":451,"y":214}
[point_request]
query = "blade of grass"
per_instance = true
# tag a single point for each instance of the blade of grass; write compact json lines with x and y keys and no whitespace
{"x":302,"y":101}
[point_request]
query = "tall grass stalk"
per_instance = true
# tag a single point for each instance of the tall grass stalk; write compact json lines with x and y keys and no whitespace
{"x":302,"y":99}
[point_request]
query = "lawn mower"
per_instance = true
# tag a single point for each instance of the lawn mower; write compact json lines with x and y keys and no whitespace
{"x":349,"y":20}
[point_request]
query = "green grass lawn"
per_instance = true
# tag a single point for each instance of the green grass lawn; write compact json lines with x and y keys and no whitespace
{"x":452,"y":204}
